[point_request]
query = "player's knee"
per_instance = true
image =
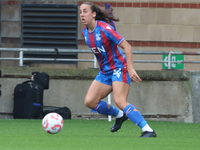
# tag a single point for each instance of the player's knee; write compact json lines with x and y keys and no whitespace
{"x":120,"y":103}
{"x":91,"y":103}
{"x":88,"y":103}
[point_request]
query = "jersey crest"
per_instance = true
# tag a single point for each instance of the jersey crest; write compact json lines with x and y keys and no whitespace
{"x":98,"y":37}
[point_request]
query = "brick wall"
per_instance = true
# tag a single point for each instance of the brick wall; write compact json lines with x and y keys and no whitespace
{"x":152,"y":25}
{"x":158,"y":24}
{"x":167,"y":25}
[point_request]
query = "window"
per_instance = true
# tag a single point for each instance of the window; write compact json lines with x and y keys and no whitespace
{"x":49,"y":26}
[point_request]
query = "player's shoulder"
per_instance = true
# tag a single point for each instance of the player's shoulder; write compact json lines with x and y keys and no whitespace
{"x":104,"y":25}
{"x":84,"y":30}
{"x":101,"y":23}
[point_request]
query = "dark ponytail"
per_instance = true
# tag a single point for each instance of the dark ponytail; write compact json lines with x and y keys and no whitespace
{"x":102,"y":14}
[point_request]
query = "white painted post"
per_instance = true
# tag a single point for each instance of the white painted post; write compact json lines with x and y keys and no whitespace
{"x":109,"y":102}
{"x":21,"y":58}
{"x":95,"y":62}
{"x":169,"y":61}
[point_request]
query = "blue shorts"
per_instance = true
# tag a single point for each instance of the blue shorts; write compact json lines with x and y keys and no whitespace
{"x":119,"y":74}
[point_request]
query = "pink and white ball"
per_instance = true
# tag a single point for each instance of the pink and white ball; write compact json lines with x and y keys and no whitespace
{"x":52,"y":123}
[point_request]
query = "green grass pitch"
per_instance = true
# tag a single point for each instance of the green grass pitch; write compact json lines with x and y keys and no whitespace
{"x":16,"y":134}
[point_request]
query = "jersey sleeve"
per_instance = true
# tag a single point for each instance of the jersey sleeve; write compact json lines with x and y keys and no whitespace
{"x":112,"y":34}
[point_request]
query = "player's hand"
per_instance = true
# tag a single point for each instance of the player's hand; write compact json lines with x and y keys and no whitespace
{"x":134,"y":76}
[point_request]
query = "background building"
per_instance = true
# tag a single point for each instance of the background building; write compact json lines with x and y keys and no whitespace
{"x":148,"y":25}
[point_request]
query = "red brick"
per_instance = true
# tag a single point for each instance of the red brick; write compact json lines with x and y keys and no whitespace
{"x":144,"y":43}
{"x":136,"y":43}
{"x":168,"y":44}
{"x":160,"y":5}
{"x":102,"y":4}
{"x":198,"y":45}
{"x":176,"y":44}
{"x":198,"y":5}
{"x":136,"y":4}
{"x":120,"y":4}
{"x":160,"y":44}
{"x":113,"y":4}
{"x":152,"y":4}
{"x":17,"y":2}
{"x":152,"y":44}
{"x":130,"y":42}
{"x":144,"y":4}
{"x":97,"y":3}
{"x":168,"y":5}
{"x":185,"y":5}
{"x":176,"y":5}
{"x":193,"y":45}
{"x":193,"y":6}
{"x":185,"y":45}
{"x":128,"y":4}
{"x":11,"y":3}
{"x":80,"y":3}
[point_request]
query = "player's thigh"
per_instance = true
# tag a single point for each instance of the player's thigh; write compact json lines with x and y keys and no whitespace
{"x":120,"y":94}
{"x":97,"y":91}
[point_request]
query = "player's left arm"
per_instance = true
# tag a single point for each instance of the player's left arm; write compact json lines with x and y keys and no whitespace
{"x":129,"y":57}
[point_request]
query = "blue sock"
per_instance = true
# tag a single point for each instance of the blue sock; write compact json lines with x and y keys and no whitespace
{"x":134,"y":115}
{"x":102,"y":108}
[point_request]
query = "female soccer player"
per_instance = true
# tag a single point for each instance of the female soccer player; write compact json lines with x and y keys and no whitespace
{"x":116,"y":69}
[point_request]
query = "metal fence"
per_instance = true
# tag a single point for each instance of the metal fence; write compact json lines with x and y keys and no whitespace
{"x":22,"y":59}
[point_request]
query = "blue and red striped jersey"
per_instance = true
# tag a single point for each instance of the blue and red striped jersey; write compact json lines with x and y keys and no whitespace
{"x":103,"y":42}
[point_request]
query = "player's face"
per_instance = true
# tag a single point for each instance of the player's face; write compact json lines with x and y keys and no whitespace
{"x":86,"y":15}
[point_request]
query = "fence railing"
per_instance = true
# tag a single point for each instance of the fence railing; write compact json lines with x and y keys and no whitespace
{"x":22,"y":59}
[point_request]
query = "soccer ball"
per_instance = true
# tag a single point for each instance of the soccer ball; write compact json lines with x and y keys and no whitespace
{"x":52,"y":123}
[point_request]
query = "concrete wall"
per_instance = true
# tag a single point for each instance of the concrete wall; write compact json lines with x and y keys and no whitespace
{"x":162,"y":95}
{"x":148,"y":25}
